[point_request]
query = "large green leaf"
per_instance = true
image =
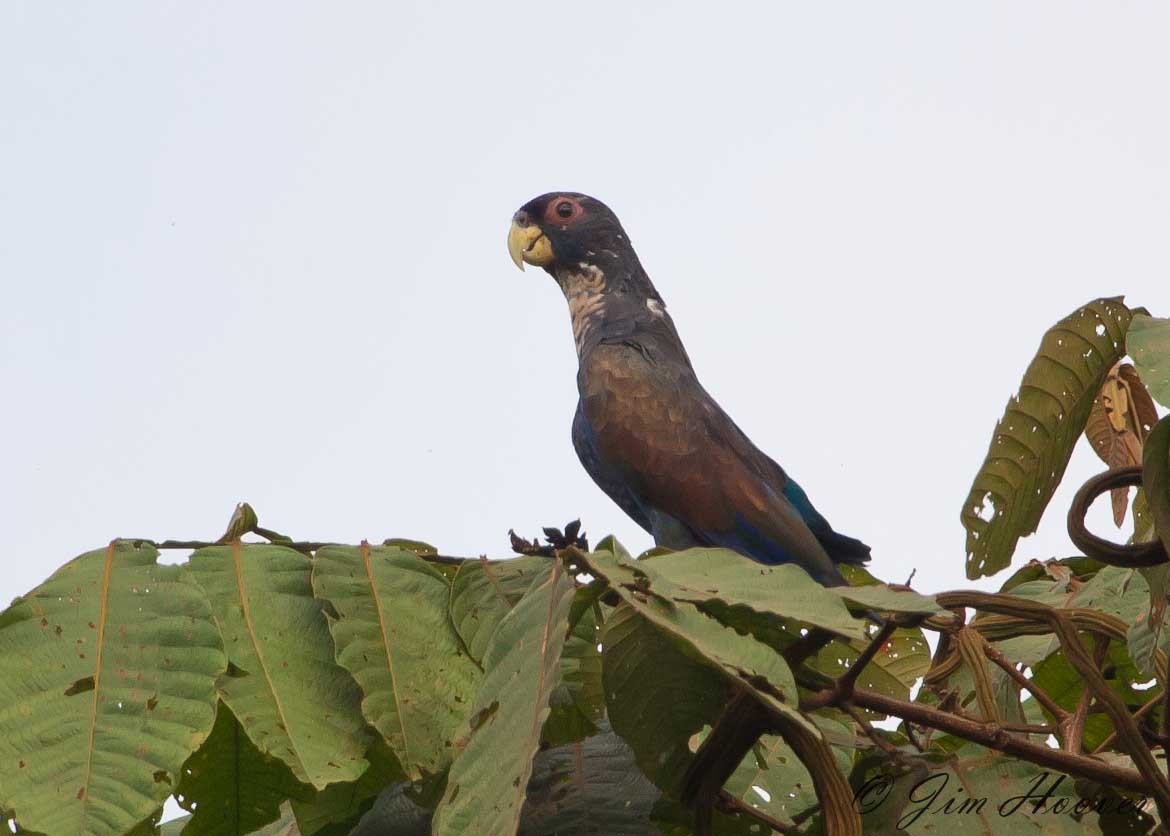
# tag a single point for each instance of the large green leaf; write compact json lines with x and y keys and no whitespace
{"x":719,"y":579}
{"x":230,"y":786}
{"x":484,"y":591}
{"x":1148,"y":343}
{"x":337,"y":809}
{"x":283,"y":684}
{"x":485,"y":788}
{"x":1034,"y":439}
{"x":740,"y":658}
{"x":393,"y":634}
{"x":591,"y":786}
{"x":893,"y":670}
{"x":581,"y":659}
{"x":108,"y":685}
{"x":659,"y":695}
{"x":772,"y":779}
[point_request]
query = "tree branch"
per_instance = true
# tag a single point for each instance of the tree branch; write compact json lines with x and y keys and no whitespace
{"x":992,"y":736}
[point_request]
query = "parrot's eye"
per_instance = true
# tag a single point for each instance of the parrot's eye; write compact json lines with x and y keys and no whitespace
{"x":562,"y":211}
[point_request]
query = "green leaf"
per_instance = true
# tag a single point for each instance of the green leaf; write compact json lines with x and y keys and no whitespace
{"x":109,"y":684}
{"x":283,"y":684}
{"x":284,"y":826}
{"x":1056,"y":676}
{"x":581,"y":658}
{"x":660,"y":696}
{"x":1035,"y":437}
{"x":741,"y":658}
{"x":579,"y":701}
{"x":895,"y":668}
{"x":175,"y":826}
{"x":392,"y":633}
{"x":774,"y":781}
{"x":884,"y":599}
{"x":717,"y":579}
{"x":589,"y":787}
{"x":1156,"y":479}
{"x":484,"y":591}
{"x":1148,"y":343}
{"x":337,"y":809}
{"x":230,"y":786}
{"x":394,"y":813}
{"x":485,"y":788}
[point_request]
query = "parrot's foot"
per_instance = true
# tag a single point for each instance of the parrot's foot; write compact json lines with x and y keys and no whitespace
{"x":554,"y":538}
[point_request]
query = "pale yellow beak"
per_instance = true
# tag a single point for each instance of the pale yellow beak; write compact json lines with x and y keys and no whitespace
{"x":528,"y":244}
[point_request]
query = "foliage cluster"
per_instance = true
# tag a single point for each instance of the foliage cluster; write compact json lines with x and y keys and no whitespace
{"x":327,"y":689}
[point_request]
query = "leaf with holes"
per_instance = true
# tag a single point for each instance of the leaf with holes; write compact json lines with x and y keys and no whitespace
{"x":230,"y":786}
{"x":283,"y":684}
{"x":1121,"y":417}
{"x":1148,"y":342}
{"x":1035,"y":437}
{"x":486,"y":785}
{"x":109,"y":684}
{"x":773,"y":780}
{"x":393,"y":634}
{"x":484,"y":591}
{"x":660,"y":696}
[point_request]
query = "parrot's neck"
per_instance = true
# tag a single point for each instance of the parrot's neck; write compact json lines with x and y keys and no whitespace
{"x":622,"y":306}
{"x":585,"y":291}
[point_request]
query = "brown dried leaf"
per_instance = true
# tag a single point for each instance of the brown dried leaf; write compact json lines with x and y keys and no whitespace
{"x":1143,"y":404}
{"x":1117,"y":427}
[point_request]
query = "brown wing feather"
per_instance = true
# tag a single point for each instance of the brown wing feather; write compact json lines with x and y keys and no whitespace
{"x":671,"y":442}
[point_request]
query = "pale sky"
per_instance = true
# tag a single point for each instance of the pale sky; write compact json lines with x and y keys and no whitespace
{"x":257,"y":252}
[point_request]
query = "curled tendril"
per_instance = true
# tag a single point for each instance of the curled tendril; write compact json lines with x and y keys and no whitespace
{"x":1115,"y":554}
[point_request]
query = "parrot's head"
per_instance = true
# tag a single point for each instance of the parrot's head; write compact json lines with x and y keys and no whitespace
{"x":567,"y":230}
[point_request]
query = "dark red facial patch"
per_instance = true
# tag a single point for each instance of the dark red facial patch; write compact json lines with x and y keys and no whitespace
{"x":563,"y":211}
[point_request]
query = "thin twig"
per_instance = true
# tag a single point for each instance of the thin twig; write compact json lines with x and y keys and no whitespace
{"x":848,"y":680}
{"x":1050,"y":705}
{"x":1074,"y":726}
{"x":730,"y":804}
{"x":1145,"y":708}
{"x":870,"y":732}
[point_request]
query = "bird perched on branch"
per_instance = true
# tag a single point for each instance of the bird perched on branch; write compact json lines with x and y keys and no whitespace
{"x":645,"y":428}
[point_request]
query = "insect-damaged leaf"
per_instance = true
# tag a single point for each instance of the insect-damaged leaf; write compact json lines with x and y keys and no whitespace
{"x":109,"y":684}
{"x":484,"y":591}
{"x":486,"y":786}
{"x":230,"y":786}
{"x":394,"y":636}
{"x":287,"y":692}
{"x":1122,"y":416}
{"x":1034,"y":439}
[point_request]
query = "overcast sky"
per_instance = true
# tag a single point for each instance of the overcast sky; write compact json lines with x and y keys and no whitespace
{"x":257,"y":252}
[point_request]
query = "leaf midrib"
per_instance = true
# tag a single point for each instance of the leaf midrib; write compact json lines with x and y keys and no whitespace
{"x":246,"y":611}
{"x":97,"y":674}
{"x":365,"y":549}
